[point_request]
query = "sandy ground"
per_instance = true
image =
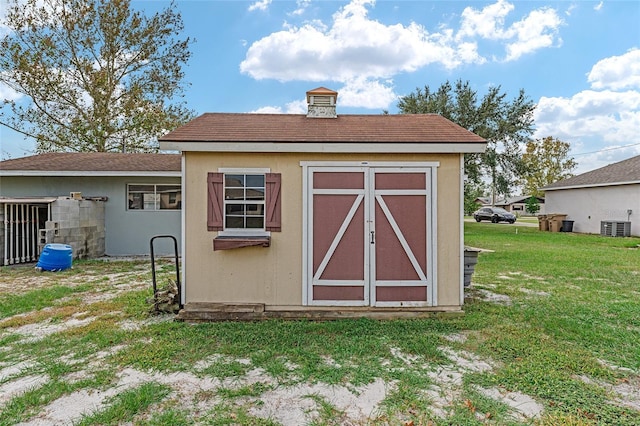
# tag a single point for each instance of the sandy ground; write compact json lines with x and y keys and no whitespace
{"x":295,"y":404}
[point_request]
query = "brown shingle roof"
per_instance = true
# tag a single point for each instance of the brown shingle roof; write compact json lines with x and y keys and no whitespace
{"x":94,"y":162}
{"x":402,"y":128}
{"x":626,"y":171}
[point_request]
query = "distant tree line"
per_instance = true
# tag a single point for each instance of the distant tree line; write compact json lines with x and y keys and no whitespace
{"x":507,"y":125}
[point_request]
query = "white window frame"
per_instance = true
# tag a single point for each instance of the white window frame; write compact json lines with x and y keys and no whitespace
{"x":240,"y":232}
{"x":156,"y":195}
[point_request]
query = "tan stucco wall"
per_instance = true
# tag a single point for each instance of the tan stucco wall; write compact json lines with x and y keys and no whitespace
{"x":273,"y":275}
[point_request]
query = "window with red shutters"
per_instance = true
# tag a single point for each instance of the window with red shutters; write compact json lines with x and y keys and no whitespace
{"x":244,"y":201}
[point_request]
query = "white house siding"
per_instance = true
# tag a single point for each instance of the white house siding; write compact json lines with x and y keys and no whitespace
{"x":587,"y":207}
{"x":127,"y":232}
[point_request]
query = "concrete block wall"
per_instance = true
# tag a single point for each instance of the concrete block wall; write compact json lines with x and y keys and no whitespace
{"x":78,"y":223}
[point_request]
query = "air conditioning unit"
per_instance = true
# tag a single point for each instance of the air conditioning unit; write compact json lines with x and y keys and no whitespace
{"x":613,"y":228}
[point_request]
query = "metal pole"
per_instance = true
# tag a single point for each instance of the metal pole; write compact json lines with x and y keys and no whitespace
{"x":6,"y":236}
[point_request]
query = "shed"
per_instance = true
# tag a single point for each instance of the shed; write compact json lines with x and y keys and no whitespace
{"x":592,"y":200}
{"x":43,"y":197}
{"x":321,"y":215}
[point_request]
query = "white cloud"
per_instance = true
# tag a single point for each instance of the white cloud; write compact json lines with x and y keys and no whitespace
{"x":487,"y":23}
{"x":301,"y":7}
{"x":537,"y":30}
{"x":8,"y":94}
{"x":592,"y":121}
{"x":365,"y":93}
{"x":602,"y":122}
{"x":353,"y":46}
{"x":598,"y":7}
{"x":617,"y":72}
{"x":610,"y":116}
{"x":259,"y":5}
{"x":363,"y":53}
{"x":295,"y":107}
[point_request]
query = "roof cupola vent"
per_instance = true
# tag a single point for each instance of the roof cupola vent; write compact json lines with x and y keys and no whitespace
{"x":321,"y":103}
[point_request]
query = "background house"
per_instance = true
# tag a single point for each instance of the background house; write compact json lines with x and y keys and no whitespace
{"x":321,"y":214}
{"x":595,"y":199}
{"x":100,"y":203}
{"x":518,"y":204}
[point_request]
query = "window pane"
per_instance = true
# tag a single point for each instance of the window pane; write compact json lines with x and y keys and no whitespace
{"x":255,"y":209}
{"x":234,"y":222}
{"x":234,"y":194}
{"x":234,"y":180}
{"x":255,"y":193}
{"x":135,"y":200}
{"x":170,"y":197}
{"x":255,"y":222}
{"x":255,"y":181}
{"x":235,"y":209}
{"x":141,"y":188}
{"x":151,"y":201}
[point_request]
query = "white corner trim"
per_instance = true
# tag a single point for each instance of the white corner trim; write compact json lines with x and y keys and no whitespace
{"x":183,"y":231}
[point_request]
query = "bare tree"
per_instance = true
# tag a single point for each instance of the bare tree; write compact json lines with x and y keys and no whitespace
{"x":92,"y":75}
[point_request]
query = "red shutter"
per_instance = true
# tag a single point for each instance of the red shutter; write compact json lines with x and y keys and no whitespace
{"x":215,"y":201}
{"x":273,"y":217}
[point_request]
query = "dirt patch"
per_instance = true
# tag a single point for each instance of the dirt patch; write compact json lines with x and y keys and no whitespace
{"x":37,"y":331}
{"x":20,"y":385}
{"x":298,"y":404}
{"x":490,"y":296}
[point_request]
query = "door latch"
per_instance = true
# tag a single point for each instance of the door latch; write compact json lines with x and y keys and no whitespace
{"x":373,"y":237}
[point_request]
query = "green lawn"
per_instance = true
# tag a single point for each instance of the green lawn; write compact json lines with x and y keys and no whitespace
{"x":552,"y":321}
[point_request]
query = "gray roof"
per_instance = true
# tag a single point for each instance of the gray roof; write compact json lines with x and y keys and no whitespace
{"x":92,"y":163}
{"x":517,"y":199}
{"x":621,"y":173}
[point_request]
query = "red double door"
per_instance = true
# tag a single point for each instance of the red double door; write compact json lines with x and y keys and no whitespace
{"x":369,"y":236}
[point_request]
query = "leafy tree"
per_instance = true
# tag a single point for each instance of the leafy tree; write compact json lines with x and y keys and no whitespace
{"x":545,"y":161}
{"x":92,"y":75}
{"x":505,"y":124}
{"x":532,"y":206}
{"x":473,"y":191}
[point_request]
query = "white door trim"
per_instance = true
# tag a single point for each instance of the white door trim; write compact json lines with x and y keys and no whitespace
{"x":369,"y":197}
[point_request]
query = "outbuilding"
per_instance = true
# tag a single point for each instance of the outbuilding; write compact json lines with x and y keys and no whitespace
{"x":321,"y":215}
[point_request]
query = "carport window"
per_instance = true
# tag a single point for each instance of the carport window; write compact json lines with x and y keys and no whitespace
{"x":152,"y":197}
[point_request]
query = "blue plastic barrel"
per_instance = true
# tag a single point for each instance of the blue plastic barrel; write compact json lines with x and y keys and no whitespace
{"x":55,"y":257}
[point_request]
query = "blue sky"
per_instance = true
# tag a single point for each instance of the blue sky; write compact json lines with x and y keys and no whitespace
{"x":578,"y":61}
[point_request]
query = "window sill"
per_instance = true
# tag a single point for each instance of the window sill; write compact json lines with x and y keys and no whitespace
{"x":233,"y":242}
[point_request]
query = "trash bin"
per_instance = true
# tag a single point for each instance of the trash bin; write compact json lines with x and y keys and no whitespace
{"x":543,"y":223}
{"x":567,"y":226}
{"x":555,"y":222}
